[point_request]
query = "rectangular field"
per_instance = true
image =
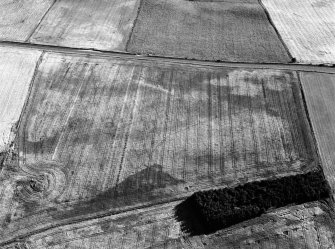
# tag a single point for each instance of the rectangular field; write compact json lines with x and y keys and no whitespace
{"x":319,"y":91}
{"x":18,"y":19}
{"x":102,"y":24}
{"x":104,"y":135}
{"x":307,"y":28}
{"x":16,"y":72}
{"x":222,"y":30}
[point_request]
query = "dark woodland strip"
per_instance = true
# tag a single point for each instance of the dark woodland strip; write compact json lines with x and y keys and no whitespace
{"x":220,"y":208}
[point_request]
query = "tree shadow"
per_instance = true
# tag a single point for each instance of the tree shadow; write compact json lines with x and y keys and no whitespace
{"x":285,"y":227}
{"x":141,"y":187}
{"x":189,"y":217}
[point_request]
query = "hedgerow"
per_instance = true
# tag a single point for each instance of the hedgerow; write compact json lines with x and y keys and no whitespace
{"x":224,"y":207}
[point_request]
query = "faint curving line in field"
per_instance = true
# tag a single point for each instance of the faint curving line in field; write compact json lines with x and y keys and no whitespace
{"x":41,"y":182}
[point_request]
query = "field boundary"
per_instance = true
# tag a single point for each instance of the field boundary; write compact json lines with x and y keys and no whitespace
{"x":45,"y":14}
{"x":276,"y":30}
{"x":177,"y":61}
{"x":119,"y":211}
{"x":134,"y":23}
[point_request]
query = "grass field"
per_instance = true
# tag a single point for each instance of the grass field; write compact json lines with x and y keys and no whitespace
{"x":18,"y":19}
{"x":102,"y":24}
{"x":101,"y":135}
{"x":224,"y":30}
{"x":307,"y":28}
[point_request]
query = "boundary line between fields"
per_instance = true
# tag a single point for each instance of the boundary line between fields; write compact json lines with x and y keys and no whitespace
{"x":122,"y":210}
{"x":37,"y":65}
{"x":304,"y":103}
{"x":134,"y":24}
{"x":293,"y":59}
{"x":34,"y":30}
{"x":320,"y":68}
{"x":21,"y":238}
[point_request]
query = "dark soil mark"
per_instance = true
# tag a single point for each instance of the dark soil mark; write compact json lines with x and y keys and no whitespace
{"x":241,"y":99}
{"x":2,"y":159}
{"x":135,"y":189}
{"x":28,"y":193}
{"x":248,"y":12}
{"x":42,"y":145}
{"x":208,"y":211}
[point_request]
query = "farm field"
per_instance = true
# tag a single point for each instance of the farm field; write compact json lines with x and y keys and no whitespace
{"x":17,"y":67}
{"x":215,"y":30}
{"x":302,"y":226}
{"x":127,"y":119}
{"x":319,"y":90}
{"x":224,"y":31}
{"x":167,"y":124}
{"x":102,"y":24}
{"x":307,"y":28}
{"x":101,"y":135}
{"x":18,"y":19}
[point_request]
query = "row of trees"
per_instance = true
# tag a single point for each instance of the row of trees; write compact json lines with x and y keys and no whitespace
{"x":224,"y":207}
